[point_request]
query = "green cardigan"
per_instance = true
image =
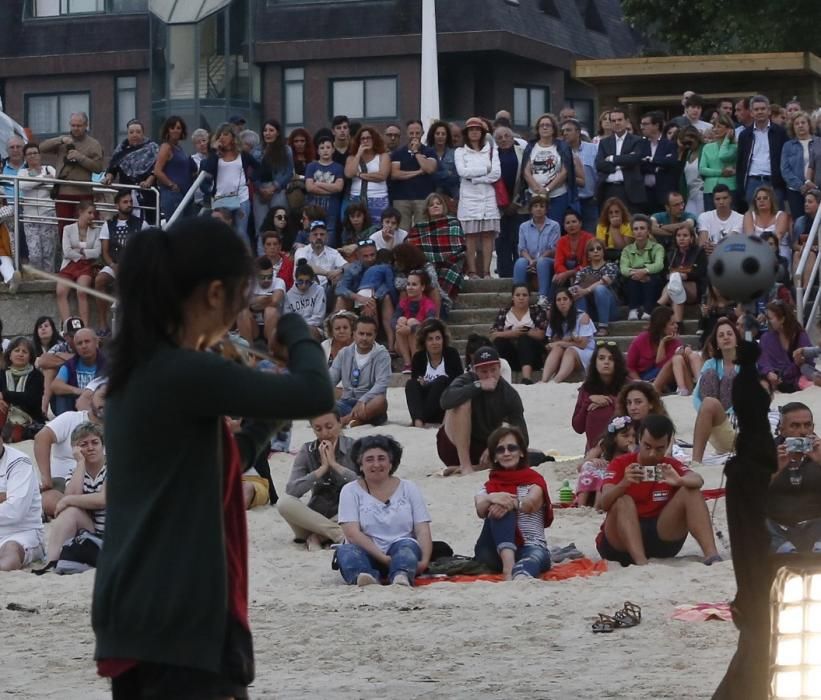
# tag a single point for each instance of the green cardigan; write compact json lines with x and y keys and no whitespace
{"x":715,"y":157}
{"x":160,"y":594}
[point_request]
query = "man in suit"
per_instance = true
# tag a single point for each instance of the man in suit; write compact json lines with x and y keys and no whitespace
{"x":618,"y":163}
{"x":759,"y":153}
{"x":660,"y":165}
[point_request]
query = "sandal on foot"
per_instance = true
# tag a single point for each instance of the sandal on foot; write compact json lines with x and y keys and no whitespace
{"x":629,"y":615}
{"x":605,"y":623}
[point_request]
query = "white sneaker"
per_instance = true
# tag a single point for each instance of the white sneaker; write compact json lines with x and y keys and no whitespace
{"x":633,"y":315}
{"x":543,"y":301}
{"x":401,"y":580}
{"x":365,"y":580}
{"x":645,"y":316}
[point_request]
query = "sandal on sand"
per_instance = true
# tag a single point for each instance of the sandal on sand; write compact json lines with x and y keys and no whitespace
{"x":629,"y":615}
{"x":605,"y":623}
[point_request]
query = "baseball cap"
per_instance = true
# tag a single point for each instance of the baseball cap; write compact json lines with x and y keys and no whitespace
{"x":317,"y":224}
{"x":73,"y":324}
{"x":675,"y":289}
{"x":485,"y":356}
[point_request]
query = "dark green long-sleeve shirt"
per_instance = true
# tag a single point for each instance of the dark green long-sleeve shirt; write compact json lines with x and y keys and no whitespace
{"x":160,"y":593}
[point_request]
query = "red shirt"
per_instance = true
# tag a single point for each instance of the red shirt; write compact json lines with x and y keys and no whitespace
{"x":650,"y":496}
{"x":641,"y":355}
{"x":565,"y":252}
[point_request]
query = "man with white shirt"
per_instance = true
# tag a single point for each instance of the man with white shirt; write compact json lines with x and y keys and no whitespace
{"x":693,"y":107}
{"x":326,"y":262}
{"x":759,"y":153}
{"x":53,"y":453}
{"x":618,"y":162}
{"x":742,"y":116}
{"x":716,"y":224}
{"x":262,"y":315}
{"x":21,"y":518}
{"x":390,"y":235}
{"x":660,"y":164}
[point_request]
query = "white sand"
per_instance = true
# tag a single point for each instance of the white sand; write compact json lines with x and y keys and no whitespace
{"x":317,"y":638}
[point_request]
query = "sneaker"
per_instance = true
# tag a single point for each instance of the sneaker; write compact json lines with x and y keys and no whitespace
{"x":406,"y":369}
{"x":401,"y":580}
{"x":521,"y":576}
{"x":682,"y":392}
{"x":633,"y":315}
{"x":645,"y":316}
{"x":543,"y":301}
{"x":365,"y":580}
{"x":14,"y":282}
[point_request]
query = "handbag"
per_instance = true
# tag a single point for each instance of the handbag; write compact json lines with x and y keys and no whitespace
{"x":502,"y":195}
{"x":229,"y":200}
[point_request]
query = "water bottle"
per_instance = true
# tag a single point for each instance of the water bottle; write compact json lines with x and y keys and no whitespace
{"x":566,"y":494}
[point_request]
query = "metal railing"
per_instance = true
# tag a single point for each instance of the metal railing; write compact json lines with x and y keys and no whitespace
{"x":22,"y":200}
{"x":186,"y":200}
{"x":803,"y":294}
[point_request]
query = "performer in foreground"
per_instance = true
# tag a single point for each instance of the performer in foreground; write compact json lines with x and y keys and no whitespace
{"x":170,"y":609}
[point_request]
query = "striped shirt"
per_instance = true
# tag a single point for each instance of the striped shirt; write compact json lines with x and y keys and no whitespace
{"x":531,"y":525}
{"x":93,"y":484}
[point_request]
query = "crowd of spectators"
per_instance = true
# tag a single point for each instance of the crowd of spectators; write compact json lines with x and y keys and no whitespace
{"x":370,"y":240}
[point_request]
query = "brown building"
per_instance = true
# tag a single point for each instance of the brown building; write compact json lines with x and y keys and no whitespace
{"x":299,"y":61}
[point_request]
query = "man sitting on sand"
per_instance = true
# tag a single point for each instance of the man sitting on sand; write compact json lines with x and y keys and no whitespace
{"x":475,"y":404}
{"x":364,"y":368}
{"x":21,"y":519}
{"x":794,"y":497}
{"x":652,"y":502}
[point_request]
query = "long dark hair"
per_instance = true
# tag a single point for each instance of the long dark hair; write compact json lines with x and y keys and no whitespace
{"x":431,"y":141}
{"x":275,"y":153}
{"x":711,"y":349}
{"x":39,"y":348}
{"x":173,"y":120}
{"x":790,"y":324}
{"x":594,"y":383}
{"x":659,"y":318}
{"x":158,"y":273}
{"x":560,"y":325}
{"x":407,"y":257}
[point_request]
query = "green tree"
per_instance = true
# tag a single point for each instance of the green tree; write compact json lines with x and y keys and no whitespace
{"x":726,"y":26}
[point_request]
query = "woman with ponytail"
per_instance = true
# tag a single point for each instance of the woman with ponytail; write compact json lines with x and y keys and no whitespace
{"x":170,"y":608}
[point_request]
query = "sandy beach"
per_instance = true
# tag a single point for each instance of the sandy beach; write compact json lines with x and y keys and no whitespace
{"x":318,"y":638}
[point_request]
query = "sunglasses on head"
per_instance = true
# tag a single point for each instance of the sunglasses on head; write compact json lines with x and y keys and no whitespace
{"x":511,"y":447}
{"x":605,"y":343}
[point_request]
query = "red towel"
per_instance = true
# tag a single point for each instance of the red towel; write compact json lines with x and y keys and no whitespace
{"x":560,"y":572}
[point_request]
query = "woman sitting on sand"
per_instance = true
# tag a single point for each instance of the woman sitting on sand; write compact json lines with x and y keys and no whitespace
{"x":596,"y":402}
{"x":515,"y":506}
{"x":322,"y":466}
{"x":384,"y":519}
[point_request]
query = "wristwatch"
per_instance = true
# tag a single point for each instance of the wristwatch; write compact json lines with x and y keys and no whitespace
{"x":477,"y":384}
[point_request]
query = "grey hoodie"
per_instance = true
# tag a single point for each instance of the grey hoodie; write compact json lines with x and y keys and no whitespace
{"x":373,"y":377}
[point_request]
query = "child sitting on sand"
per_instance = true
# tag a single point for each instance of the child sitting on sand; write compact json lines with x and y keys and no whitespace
{"x":619,"y":439}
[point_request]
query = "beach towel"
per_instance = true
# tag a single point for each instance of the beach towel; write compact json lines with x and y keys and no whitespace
{"x":701,"y":612}
{"x":443,"y":243}
{"x":560,"y":572}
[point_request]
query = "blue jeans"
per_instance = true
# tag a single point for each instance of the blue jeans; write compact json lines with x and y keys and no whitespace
{"x":643,"y":295}
{"x":590,"y":214}
{"x":241,"y":217}
{"x":499,"y":534}
{"x":544,"y":274}
{"x":169,"y":201}
{"x":802,"y":537}
{"x":405,"y":555}
{"x":379,"y":278}
{"x":605,"y":304}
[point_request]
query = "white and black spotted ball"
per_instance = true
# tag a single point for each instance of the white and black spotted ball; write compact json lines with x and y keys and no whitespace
{"x":742,"y":268}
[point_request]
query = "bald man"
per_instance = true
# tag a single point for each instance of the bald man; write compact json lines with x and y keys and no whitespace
{"x":73,"y":377}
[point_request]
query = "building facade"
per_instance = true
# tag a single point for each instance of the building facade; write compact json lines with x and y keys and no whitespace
{"x":299,"y":61}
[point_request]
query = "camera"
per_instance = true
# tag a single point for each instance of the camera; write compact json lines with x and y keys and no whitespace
{"x":798,"y":444}
{"x":652,"y":473}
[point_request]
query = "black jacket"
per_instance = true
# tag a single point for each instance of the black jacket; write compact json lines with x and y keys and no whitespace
{"x":453,"y":363}
{"x":632,"y":152}
{"x":777,"y":136}
{"x":665,"y":165}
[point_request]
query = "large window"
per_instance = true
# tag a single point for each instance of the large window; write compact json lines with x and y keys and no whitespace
{"x":126,"y":105}
{"x":60,"y":8}
{"x":584,"y":112}
{"x":293,"y":89}
{"x":48,"y":115}
{"x":528,"y":103}
{"x":365,"y":98}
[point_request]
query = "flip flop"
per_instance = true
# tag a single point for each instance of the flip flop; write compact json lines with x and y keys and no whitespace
{"x":605,"y":623}
{"x":629,"y":615}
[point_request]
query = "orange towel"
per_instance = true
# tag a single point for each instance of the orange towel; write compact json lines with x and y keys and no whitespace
{"x":560,"y":572}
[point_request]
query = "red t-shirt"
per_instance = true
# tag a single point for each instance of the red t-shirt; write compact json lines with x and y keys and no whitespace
{"x":650,"y":496}
{"x":641,"y":355}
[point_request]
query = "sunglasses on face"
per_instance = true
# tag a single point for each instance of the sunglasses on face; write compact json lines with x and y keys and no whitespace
{"x":280,"y":217}
{"x":512,"y":448}
{"x":594,"y":248}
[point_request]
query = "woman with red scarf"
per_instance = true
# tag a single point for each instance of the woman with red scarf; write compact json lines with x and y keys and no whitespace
{"x":515,"y":505}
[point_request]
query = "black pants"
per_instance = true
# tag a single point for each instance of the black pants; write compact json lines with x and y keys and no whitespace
{"x":520,"y":351}
{"x":423,"y":399}
{"x":617,"y":189}
{"x":643,"y":295}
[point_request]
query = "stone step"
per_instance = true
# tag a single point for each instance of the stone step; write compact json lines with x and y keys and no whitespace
{"x":494,"y":284}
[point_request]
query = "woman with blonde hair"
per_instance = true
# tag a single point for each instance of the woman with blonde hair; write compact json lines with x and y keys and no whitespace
{"x":764,"y":216}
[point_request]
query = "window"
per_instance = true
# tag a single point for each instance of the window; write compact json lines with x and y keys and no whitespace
{"x":591,"y":16}
{"x":60,"y":8}
{"x":293,"y":88}
{"x":48,"y":115}
{"x":126,"y":105}
{"x":365,"y":98}
{"x":529,"y":103}
{"x":549,"y":8}
{"x":584,"y":112}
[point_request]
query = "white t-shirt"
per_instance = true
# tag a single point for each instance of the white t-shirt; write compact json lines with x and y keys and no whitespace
{"x":276,"y":285}
{"x":399,"y":236}
{"x":23,"y":508}
{"x":384,"y":523}
{"x":62,"y":458}
{"x":716,"y":228}
{"x":328,"y":259}
{"x":432,"y":373}
{"x":231,"y":179}
{"x":545,"y":164}
{"x":362,"y":358}
{"x":375,"y":189}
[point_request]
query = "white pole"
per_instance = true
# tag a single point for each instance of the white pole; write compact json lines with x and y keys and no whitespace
{"x":429,"y":98}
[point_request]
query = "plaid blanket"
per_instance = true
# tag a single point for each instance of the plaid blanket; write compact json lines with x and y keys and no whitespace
{"x":443,"y":243}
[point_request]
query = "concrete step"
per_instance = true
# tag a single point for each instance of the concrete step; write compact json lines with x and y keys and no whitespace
{"x":495,"y":284}
{"x":482,"y":317}
{"x":483,"y":300}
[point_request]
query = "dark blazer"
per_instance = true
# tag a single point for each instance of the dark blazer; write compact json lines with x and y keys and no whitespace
{"x":664,"y":165}
{"x":453,"y":363}
{"x":630,"y":159}
{"x":777,"y":136}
